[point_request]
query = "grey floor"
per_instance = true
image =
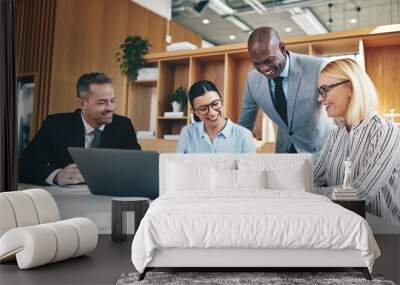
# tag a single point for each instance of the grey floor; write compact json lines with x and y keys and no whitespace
{"x":388,"y":264}
{"x":111,"y":259}
{"x":102,"y":266}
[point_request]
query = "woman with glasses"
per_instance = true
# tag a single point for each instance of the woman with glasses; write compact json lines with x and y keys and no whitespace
{"x":362,"y":139}
{"x":212,"y":133}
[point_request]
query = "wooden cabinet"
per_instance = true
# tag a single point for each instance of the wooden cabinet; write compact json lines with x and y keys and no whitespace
{"x":227,"y":66}
{"x":139,"y":103}
{"x":172,"y":74}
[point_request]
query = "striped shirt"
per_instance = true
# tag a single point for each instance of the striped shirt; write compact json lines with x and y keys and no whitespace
{"x":373,"y":148}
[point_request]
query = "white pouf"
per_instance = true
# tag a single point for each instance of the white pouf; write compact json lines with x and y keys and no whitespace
{"x":31,"y":233}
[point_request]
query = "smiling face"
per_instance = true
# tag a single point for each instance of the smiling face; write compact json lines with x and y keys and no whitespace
{"x":337,"y":98}
{"x":98,"y":105}
{"x":215,"y":111}
{"x":268,"y":57}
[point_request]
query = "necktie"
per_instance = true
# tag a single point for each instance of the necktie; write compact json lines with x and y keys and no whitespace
{"x":280,"y":103}
{"x":96,"y":140}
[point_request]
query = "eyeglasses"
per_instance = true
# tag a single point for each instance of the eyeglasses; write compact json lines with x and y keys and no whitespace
{"x":216,"y":105}
{"x":324,"y":89}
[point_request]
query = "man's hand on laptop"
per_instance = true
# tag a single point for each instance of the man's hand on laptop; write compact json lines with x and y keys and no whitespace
{"x":69,"y":175}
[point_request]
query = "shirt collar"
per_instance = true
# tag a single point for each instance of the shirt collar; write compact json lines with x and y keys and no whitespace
{"x":89,"y":128}
{"x":365,"y":120}
{"x":285,"y":71}
{"x":226,"y":131}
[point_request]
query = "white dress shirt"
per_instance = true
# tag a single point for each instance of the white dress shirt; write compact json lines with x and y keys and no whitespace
{"x":285,"y":83}
{"x":89,"y":136}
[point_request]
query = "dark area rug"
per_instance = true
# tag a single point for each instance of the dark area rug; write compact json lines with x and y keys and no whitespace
{"x":243,"y":278}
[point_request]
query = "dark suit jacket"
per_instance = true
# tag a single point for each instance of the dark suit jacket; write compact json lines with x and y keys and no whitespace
{"x":48,"y":149}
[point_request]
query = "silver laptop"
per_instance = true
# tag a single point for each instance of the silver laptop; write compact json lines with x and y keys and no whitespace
{"x":118,"y":172}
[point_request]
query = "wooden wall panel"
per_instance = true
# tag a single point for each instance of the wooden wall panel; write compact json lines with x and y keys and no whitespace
{"x":139,"y":106}
{"x":181,"y":77}
{"x":180,"y":34}
{"x":87,"y":36}
{"x":382,"y":66}
{"x":242,"y":67}
{"x":35,"y":31}
{"x":214,"y":72}
{"x":229,"y":85}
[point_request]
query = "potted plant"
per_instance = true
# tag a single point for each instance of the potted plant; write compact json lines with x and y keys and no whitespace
{"x":178,"y":99}
{"x":130,"y":56}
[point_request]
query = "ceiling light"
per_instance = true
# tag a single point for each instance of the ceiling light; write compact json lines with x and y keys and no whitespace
{"x":232,"y":37}
{"x":256,"y":5}
{"x":220,"y":7}
{"x":206,"y":21}
{"x":288,"y":29}
{"x":353,"y":21}
{"x":238,"y":23}
{"x":307,"y":21}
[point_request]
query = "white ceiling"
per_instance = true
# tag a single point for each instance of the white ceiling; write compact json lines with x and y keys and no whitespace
{"x":373,"y":13}
{"x":160,"y":7}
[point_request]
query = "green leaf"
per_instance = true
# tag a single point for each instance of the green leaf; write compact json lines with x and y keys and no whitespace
{"x":131,"y":54}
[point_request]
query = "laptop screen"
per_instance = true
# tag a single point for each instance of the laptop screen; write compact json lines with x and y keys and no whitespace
{"x":119,"y":172}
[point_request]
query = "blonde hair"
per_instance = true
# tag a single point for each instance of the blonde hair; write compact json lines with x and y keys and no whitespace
{"x":364,"y":97}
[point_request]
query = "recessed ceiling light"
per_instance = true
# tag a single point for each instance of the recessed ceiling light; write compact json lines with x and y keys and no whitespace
{"x":288,"y":29}
{"x":206,"y":21}
{"x":232,"y":37}
{"x":353,"y":21}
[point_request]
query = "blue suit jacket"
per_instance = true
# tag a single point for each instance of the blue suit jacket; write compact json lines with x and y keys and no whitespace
{"x":308,"y":125}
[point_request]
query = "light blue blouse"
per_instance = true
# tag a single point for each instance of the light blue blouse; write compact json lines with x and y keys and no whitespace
{"x":232,"y":139}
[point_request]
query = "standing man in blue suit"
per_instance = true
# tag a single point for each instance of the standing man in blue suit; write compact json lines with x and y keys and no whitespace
{"x":284,"y":86}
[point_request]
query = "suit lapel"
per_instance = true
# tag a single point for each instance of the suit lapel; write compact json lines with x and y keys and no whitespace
{"x":78,"y":137}
{"x":105,"y":135}
{"x":266,"y":104}
{"x":293,"y":86}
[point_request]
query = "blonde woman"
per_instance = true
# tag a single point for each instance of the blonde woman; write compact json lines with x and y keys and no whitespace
{"x":369,"y":142}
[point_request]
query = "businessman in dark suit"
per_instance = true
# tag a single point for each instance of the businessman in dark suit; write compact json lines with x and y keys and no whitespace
{"x":46,"y":159}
